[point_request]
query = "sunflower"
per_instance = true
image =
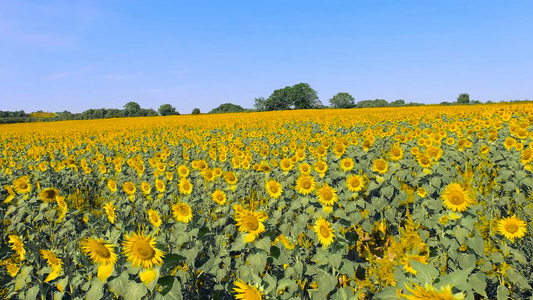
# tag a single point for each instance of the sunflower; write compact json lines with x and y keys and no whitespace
{"x":327,"y":196}
{"x":153,"y":217}
{"x":250,"y":221}
{"x":526,"y":156}
{"x":129,"y":188}
{"x":208,"y":175}
{"x":355,"y":183}
{"x":182,"y":212}
{"x":430,"y":293}
{"x":53,"y":262}
{"x":512,"y":228}
{"x":456,"y":198}
{"x":396,"y":153}
{"x":230,"y":178}
{"x":111,"y":185}
{"x":12,"y":269}
{"x":22,"y":185}
{"x":219,"y":197}
{"x":246,"y":292}
{"x":422,"y":192}
{"x":285,"y":165}
{"x":321,"y":168}
{"x":17,"y":245}
{"x":274,"y":188}
{"x":185,"y":186}
{"x":141,"y":251}
{"x":339,"y":150}
{"x":160,"y":185}
{"x":347,"y":164}
{"x":424,"y":161}
{"x":509,"y":143}
{"x":183,"y":171}
{"x":110,"y":212}
{"x":304,"y":168}
{"x":324,"y":232}
{"x":305,"y":184}
{"x":99,"y":251}
{"x":146,"y":188}
{"x":10,"y":194}
{"x":380,"y":166}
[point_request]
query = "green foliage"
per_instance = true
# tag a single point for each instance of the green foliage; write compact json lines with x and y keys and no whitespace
{"x":227,"y":108}
{"x":298,"y":96}
{"x":195,"y":111}
{"x":463,"y":98}
{"x":131,"y":109}
{"x":372,"y":103}
{"x":167,"y":110}
{"x":342,"y":100}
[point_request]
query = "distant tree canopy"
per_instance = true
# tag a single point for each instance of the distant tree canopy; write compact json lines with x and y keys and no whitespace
{"x":342,"y":100}
{"x":373,"y":103}
{"x":463,"y":98}
{"x":195,"y":111}
{"x":298,"y":96}
{"x":227,"y":108}
{"x":167,"y":110}
{"x":397,"y":103}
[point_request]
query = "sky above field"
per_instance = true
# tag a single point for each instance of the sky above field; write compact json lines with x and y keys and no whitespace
{"x":76,"y":55}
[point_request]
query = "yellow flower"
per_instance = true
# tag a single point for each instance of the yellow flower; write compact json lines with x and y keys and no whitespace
{"x":10,"y":194}
{"x":146,"y":188}
{"x":230,"y":178}
{"x":183,"y":171}
{"x":17,"y":245}
{"x":324,"y":232}
{"x":347,"y":164}
{"x":12,"y":269}
{"x":321,"y":168}
{"x":380,"y":166}
{"x":430,"y":293}
{"x":154,"y":218}
{"x":249,"y":221}
{"x":104,"y":271}
{"x":456,"y":198}
{"x":148,"y":276}
{"x":274,"y":188}
{"x":129,"y":188}
{"x":396,"y":153}
{"x":49,"y":195}
{"x":111,"y":185}
{"x":305,"y":184}
{"x":185,"y":186}
{"x":512,"y":227}
{"x":327,"y":195}
{"x":424,"y":161}
{"x":182,"y":212}
{"x":53,"y":262}
{"x":246,"y":292}
{"x":304,"y":168}
{"x":355,"y":183}
{"x":219,"y":197}
{"x":421,"y":192}
{"x":99,"y":251}
{"x":160,"y":185}
{"x":141,"y":251}
{"x":22,"y":185}
{"x":110,"y":212}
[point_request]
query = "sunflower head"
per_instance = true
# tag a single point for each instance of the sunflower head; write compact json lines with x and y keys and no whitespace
{"x":512,"y":227}
{"x":355,"y":183}
{"x":49,"y":195}
{"x":99,"y":251}
{"x":347,"y":164}
{"x":250,"y":221}
{"x":129,"y":188}
{"x":141,"y":250}
{"x":17,"y":245}
{"x":246,"y":292}
{"x":110,"y":212}
{"x":456,"y":198}
{"x":153,"y":217}
{"x":305,"y":184}
{"x":185,"y":186}
{"x":274,"y":189}
{"x":380,"y":166}
{"x":327,"y":196}
{"x":182,"y":212}
{"x":324,"y":232}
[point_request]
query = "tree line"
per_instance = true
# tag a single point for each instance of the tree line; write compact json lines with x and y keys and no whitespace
{"x":298,"y":96}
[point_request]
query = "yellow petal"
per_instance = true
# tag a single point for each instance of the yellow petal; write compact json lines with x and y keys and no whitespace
{"x":104,"y":271}
{"x":148,"y":276}
{"x":53,"y":275}
{"x":249,"y":238}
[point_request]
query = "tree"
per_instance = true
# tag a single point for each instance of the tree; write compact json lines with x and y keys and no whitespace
{"x":196,"y":111}
{"x":302,"y":96}
{"x":463,"y":98}
{"x":131,"y":109}
{"x":399,"y":102}
{"x":342,"y":100}
{"x":227,"y":108}
{"x":260,"y":104}
{"x":167,"y":110}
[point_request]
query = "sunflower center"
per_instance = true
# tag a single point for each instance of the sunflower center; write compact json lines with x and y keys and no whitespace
{"x":347,"y":164}
{"x":327,"y":195}
{"x":250,"y":222}
{"x":511,"y":228}
{"x":395,"y":152}
{"x":184,"y":211}
{"x":186,"y":186}
{"x":143,"y":250}
{"x":306,"y":184}
{"x":220,"y":197}
{"x":231,"y":177}
{"x":355,"y":183}
{"x":324,"y":231}
{"x":154,"y":217}
{"x":50,"y":194}
{"x":101,"y":251}
{"x":456,"y":198}
{"x":380,"y":165}
{"x":274,"y":188}
{"x":23,"y":185}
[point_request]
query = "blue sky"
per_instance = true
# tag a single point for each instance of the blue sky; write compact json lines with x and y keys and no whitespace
{"x":76,"y":55}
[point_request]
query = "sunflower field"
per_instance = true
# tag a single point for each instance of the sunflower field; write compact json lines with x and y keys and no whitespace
{"x":429,"y":202}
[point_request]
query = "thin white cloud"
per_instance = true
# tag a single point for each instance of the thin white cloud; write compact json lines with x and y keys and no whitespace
{"x":68,"y":74}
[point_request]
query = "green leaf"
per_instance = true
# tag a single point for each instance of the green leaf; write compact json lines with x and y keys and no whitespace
{"x":32,"y":292}
{"x":119,"y":285}
{"x":326,"y":283}
{"x":388,"y":293}
{"x":135,"y":291}
{"x":174,"y":293}
{"x":477,"y":243}
{"x":478,"y":282}
{"x":503,"y":293}
{"x":96,"y":291}
{"x":166,"y":283}
{"x":460,"y":234}
{"x":518,"y":278}
{"x":172,"y":260}
{"x":456,"y":279}
{"x":264,"y":244}
{"x":335,"y":260}
{"x":426,"y":273}
{"x":258,"y":261}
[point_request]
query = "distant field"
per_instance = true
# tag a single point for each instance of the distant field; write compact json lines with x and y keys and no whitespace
{"x":430,"y":201}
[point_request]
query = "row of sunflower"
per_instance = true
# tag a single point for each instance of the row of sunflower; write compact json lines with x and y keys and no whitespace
{"x":425,"y":202}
